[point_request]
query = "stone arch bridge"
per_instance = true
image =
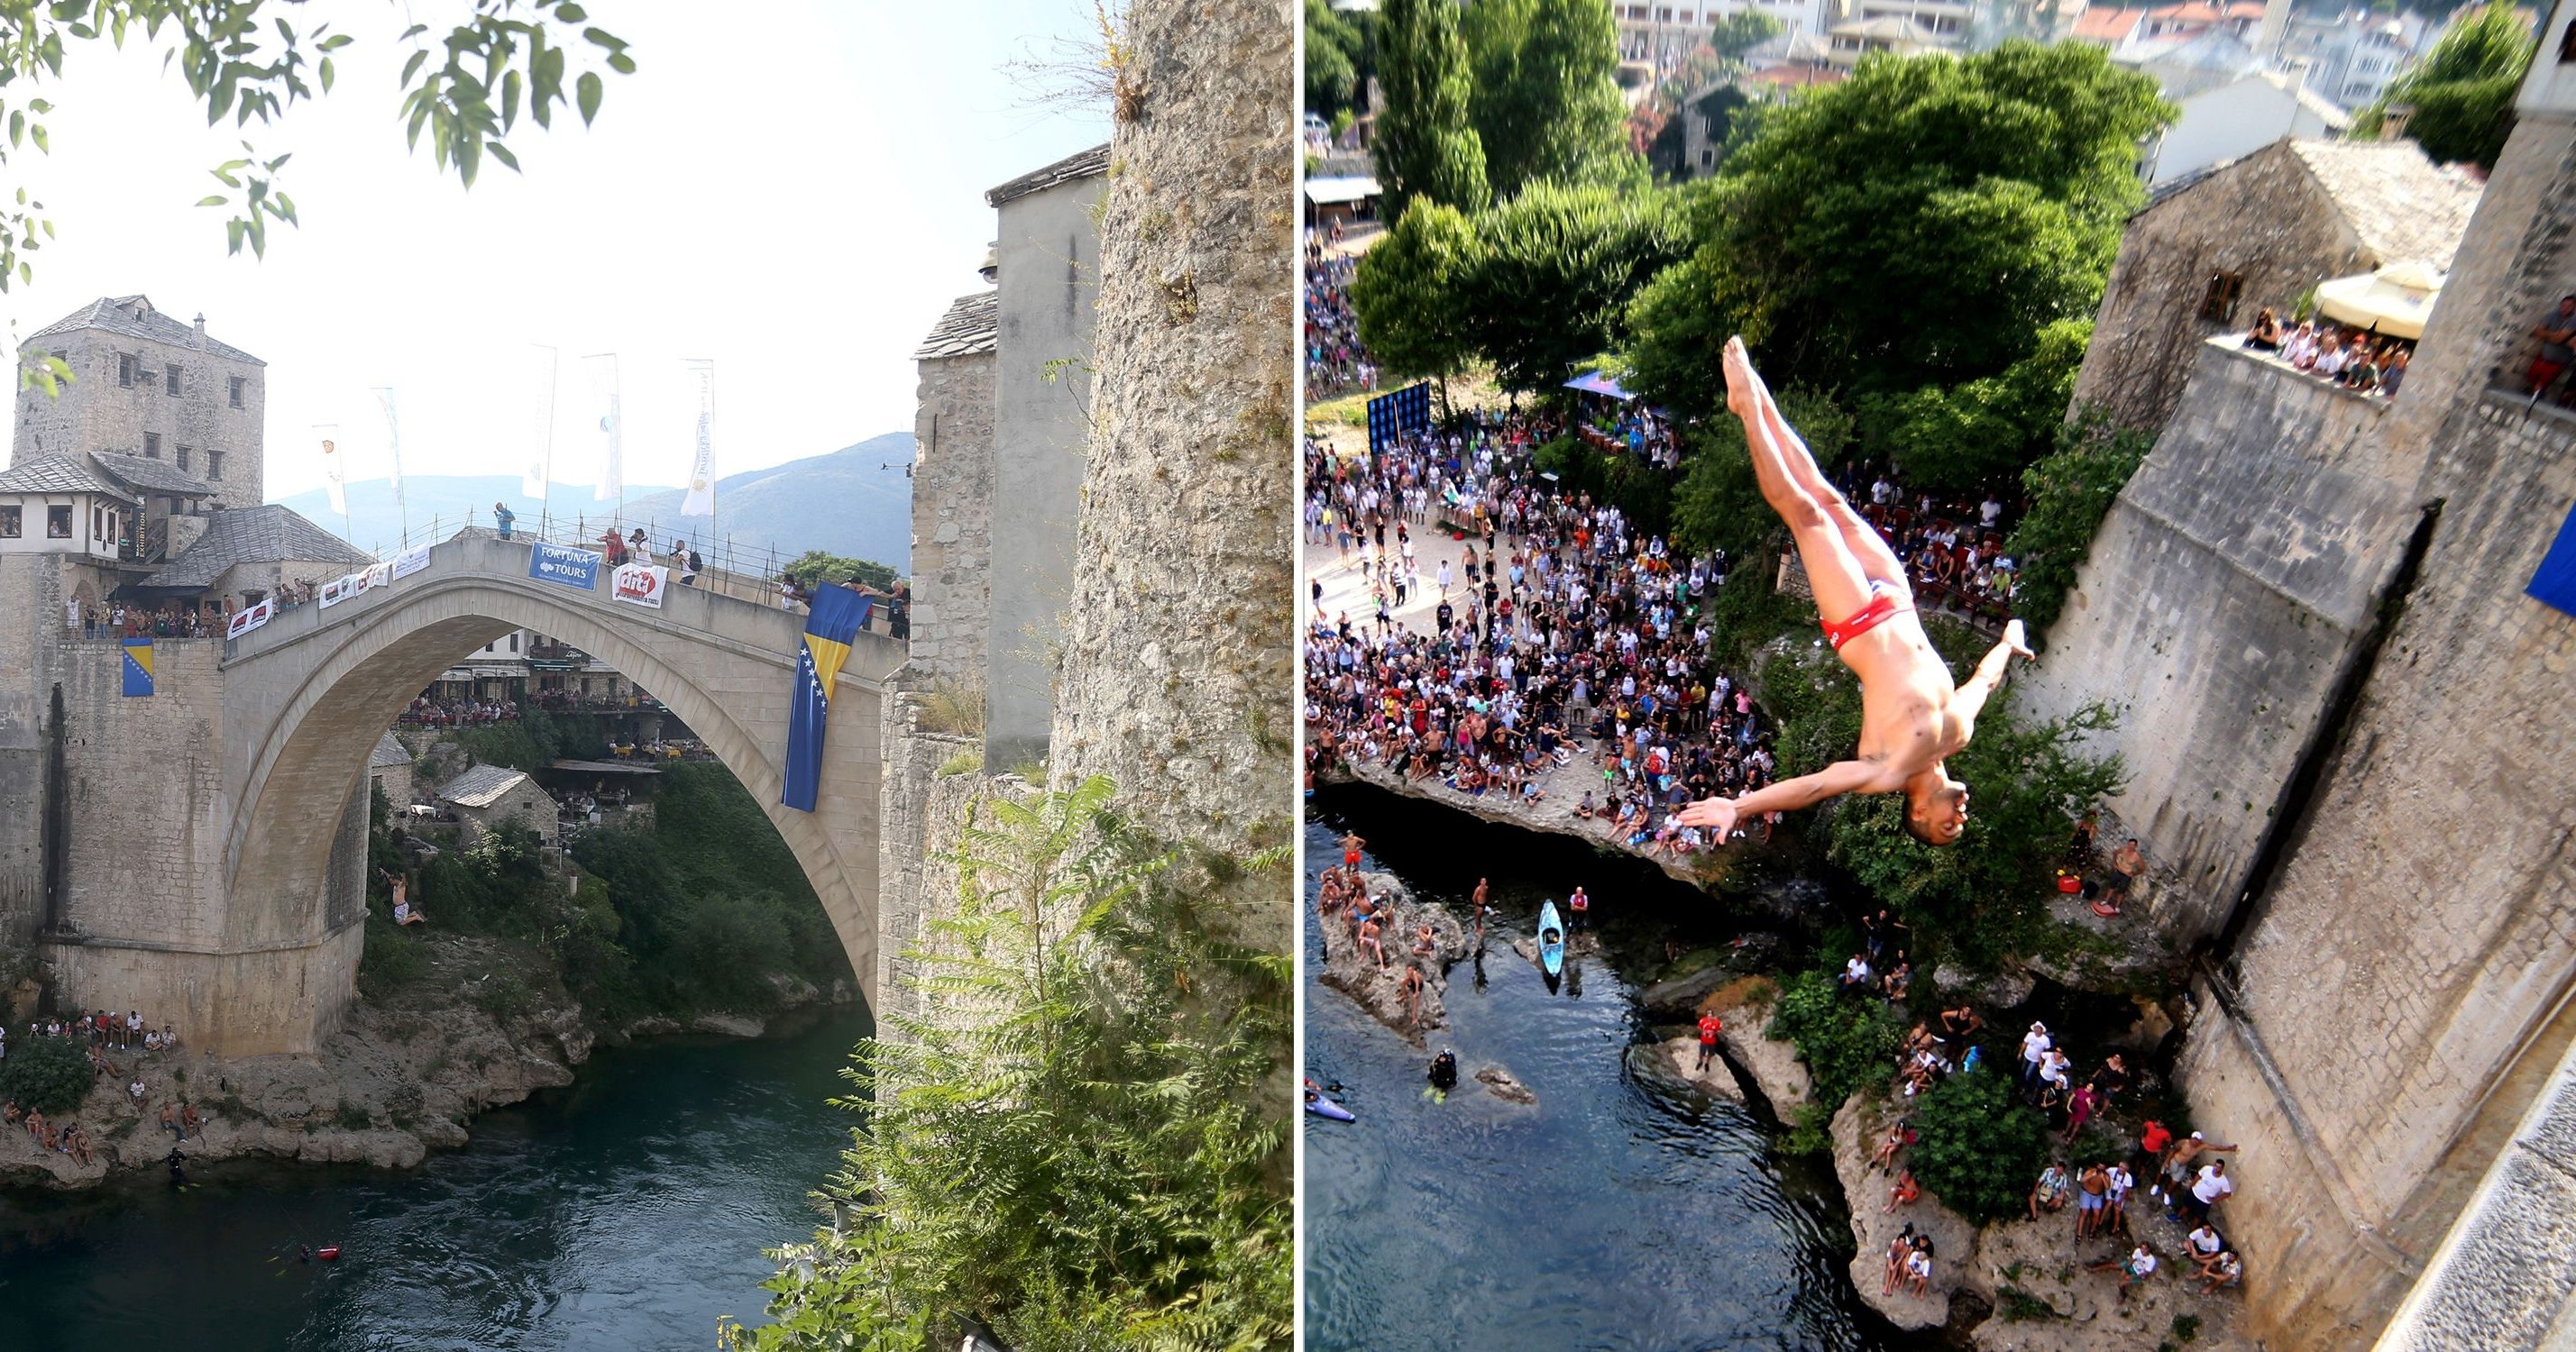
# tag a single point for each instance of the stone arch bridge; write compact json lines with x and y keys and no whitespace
{"x":263,"y":958}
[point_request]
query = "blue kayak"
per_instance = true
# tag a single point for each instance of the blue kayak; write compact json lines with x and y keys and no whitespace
{"x":1551,"y":939}
{"x":1321,"y":1106}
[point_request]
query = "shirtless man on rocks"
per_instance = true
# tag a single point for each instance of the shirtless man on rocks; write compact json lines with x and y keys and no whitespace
{"x":1913,"y":717}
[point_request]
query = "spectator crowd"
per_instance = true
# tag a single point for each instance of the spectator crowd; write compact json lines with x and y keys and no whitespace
{"x":102,"y":1032}
{"x":1336,"y":364}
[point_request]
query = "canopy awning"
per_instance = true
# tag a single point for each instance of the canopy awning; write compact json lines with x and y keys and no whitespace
{"x":1593,"y":382}
{"x":2392,"y":302}
{"x":1326,"y":192}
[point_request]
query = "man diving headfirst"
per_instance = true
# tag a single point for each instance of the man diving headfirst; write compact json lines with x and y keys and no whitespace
{"x":1912,"y":717}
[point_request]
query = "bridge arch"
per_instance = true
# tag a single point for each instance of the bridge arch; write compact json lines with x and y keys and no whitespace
{"x":307,"y":696}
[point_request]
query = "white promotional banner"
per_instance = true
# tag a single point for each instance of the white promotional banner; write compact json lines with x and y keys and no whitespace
{"x":393,"y":439}
{"x":335,"y":469}
{"x":381,"y":575}
{"x":245,"y":621}
{"x":541,"y":426}
{"x":340,"y":589}
{"x":612,"y":425}
{"x":411,"y":561}
{"x":641,"y":585}
{"x":701,"y":500}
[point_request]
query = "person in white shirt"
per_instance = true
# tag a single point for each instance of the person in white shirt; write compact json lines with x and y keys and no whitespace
{"x":2034,"y":1047}
{"x":2211,"y":1187}
{"x":2136,"y":1268}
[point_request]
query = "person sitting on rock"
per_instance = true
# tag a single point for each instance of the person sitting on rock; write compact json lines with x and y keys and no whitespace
{"x":1918,"y":1265}
{"x":1899,"y":1251}
{"x":1369,"y":941}
{"x":2223,"y":1268}
{"x":1900,"y":1134}
{"x":1904,"y":1193}
{"x":2139,"y":1265}
{"x":2049,"y":1193}
{"x":1426,"y":941}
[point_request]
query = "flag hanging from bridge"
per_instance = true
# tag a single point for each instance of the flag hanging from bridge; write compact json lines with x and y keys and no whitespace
{"x":612,"y":425}
{"x":538,"y":480}
{"x":393,"y":439}
{"x":335,"y":471}
{"x":838,"y":616}
{"x":138,"y":666}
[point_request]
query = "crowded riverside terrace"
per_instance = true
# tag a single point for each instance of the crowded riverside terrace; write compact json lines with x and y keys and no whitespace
{"x":1555,"y":631}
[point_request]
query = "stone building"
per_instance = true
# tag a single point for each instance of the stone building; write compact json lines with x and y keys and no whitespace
{"x":2382,"y":1022}
{"x":1048,"y":253}
{"x":952,"y":493}
{"x":145,"y":385}
{"x":2207,"y":253}
{"x":488,"y":795}
{"x":389,"y":769}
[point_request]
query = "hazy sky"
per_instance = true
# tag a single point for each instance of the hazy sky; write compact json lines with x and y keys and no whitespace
{"x":797,"y":198}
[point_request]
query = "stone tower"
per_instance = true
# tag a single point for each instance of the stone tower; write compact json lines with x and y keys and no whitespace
{"x":144,"y":384}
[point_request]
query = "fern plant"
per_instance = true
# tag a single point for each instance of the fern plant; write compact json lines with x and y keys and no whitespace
{"x":1077,"y":1145}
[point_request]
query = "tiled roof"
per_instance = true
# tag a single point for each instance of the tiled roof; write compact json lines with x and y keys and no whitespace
{"x":57,"y":474}
{"x":967,"y":328}
{"x":264,"y":534}
{"x":116,"y":314}
{"x":2101,"y":24}
{"x":151,"y":476}
{"x":1085,"y":164}
{"x":389,"y":752}
{"x":482,"y":786}
{"x":2403,"y":208}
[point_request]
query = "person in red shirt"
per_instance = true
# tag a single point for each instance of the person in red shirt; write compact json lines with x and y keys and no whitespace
{"x":1709,"y":1027}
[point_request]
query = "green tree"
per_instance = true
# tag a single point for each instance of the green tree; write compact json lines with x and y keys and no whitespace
{"x":1407,"y":292}
{"x":1845,"y":1042}
{"x":1980,"y":1150}
{"x":1336,"y":59}
{"x":2462,"y":93}
{"x":1065,"y":1155}
{"x":1986,"y":430}
{"x":1550,"y":282}
{"x":815,"y":568}
{"x":464,"y":89}
{"x":48,"y":1075}
{"x":1919,"y":224}
{"x":1735,"y":34}
{"x":1546,"y":100}
{"x":1425,"y":144}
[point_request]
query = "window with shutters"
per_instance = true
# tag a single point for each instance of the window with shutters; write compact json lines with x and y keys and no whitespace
{"x":170,"y":376}
{"x":2219,"y":305}
{"x":151,"y":445}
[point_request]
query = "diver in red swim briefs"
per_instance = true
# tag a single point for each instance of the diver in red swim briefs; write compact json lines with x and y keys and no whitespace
{"x":1912,"y":717}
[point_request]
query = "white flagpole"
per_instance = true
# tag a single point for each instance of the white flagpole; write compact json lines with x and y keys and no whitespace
{"x":335,"y":479}
{"x":538,"y":481}
{"x":393,"y":451}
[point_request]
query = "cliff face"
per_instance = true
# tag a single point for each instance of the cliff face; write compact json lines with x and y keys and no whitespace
{"x":1175,"y":679}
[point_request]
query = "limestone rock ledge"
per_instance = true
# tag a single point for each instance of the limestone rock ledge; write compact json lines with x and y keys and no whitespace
{"x":1350,"y":970}
{"x":1859,"y":1123}
{"x":1554,"y":814}
{"x":1743,"y":1006}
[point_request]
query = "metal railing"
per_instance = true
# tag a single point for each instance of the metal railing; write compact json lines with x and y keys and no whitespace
{"x":743,"y":572}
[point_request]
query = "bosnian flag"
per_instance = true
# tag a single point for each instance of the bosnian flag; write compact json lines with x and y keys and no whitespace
{"x":838,"y":615}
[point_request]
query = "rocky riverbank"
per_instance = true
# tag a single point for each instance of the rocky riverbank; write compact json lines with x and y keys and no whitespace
{"x":1378,"y":985}
{"x":402,"y":1078}
{"x":1564,"y":787}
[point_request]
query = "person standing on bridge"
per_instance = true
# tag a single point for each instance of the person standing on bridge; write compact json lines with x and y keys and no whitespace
{"x":504,"y":518}
{"x":1913,"y":718}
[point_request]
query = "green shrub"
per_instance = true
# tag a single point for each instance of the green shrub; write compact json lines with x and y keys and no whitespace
{"x":48,"y":1075}
{"x":1846,"y":1041}
{"x":2071,"y":490}
{"x":391,"y":959}
{"x":1980,"y":1148}
{"x":503,"y":996}
{"x":354,"y":1116}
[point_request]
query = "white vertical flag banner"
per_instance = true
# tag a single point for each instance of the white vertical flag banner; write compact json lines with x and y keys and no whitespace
{"x":393,"y":438}
{"x":541,"y":425}
{"x":701,"y":500}
{"x":612,"y":420}
{"x":335,"y":469}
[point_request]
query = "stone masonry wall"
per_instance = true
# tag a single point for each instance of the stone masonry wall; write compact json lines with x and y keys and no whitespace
{"x":95,"y":413}
{"x":918,"y":825}
{"x":31,"y":627}
{"x":1176,"y":676}
{"x":2226,"y":595}
{"x":952,"y":519}
{"x":2261,"y":217}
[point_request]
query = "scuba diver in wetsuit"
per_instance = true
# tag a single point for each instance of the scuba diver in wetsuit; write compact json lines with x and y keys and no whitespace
{"x":1444,"y":1070}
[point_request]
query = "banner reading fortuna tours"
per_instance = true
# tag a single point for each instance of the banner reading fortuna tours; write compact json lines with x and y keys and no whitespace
{"x":838,"y":616}
{"x":247,"y":620}
{"x":640,"y":585}
{"x":565,"y":567}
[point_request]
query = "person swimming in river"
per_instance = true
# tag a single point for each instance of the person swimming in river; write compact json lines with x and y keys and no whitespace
{"x":1913,"y":718}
